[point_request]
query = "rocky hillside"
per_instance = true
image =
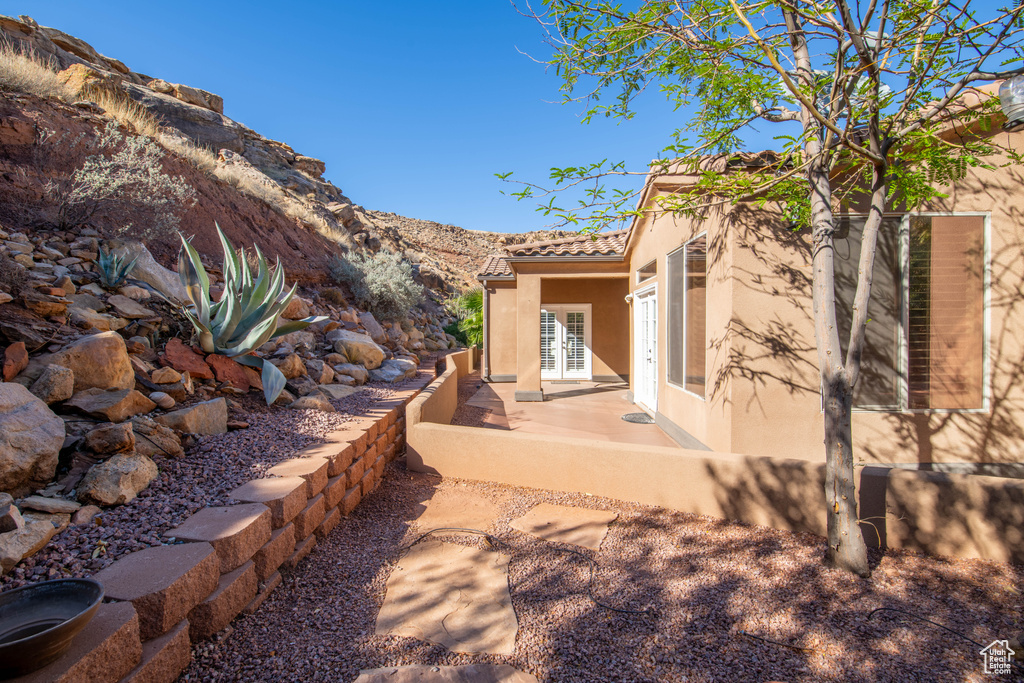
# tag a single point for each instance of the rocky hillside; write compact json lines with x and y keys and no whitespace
{"x":258,"y":190}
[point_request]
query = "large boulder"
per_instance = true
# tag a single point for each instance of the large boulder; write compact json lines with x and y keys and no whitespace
{"x":98,"y":361}
{"x":357,"y":372}
{"x":372,"y":327}
{"x":393,"y":370}
{"x":291,"y":366}
{"x":358,"y":348}
{"x":112,"y":406}
{"x":208,"y":417}
{"x":147,"y":270}
{"x":155,"y":439}
{"x":57,"y":383}
{"x":30,"y":438}
{"x":111,"y":438}
{"x":117,"y":480}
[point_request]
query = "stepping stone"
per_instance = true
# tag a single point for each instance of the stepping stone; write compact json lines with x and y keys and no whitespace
{"x":458,"y":508}
{"x":472,"y":673}
{"x":563,"y":524}
{"x":451,"y":595}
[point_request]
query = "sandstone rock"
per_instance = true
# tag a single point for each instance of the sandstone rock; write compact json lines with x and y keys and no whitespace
{"x":358,"y":348}
{"x":393,"y":370}
{"x":86,"y":82}
{"x":135,"y":293}
{"x":296,"y":309}
{"x":290,"y":366}
{"x":43,"y":304}
{"x":162,"y":400}
{"x":15,"y":360}
{"x":312,"y":402}
{"x":301,"y":338}
{"x":286,"y":398}
{"x":10,"y":516}
{"x":87,"y":301}
{"x":98,"y":361}
{"x":356,"y":372}
{"x":152,"y":273}
{"x":112,"y":438}
{"x":345,"y":380}
{"x":117,"y":480}
{"x":310,"y":166}
{"x":57,"y":383}
{"x":50,"y":505}
{"x":335,"y":359}
{"x":319,"y":371}
{"x":228,"y":370}
{"x":85,"y":515}
{"x":5,"y":298}
{"x":184,"y":359}
{"x":129,"y":308}
{"x":24,"y":542}
{"x":337,"y":392}
{"x":372,"y":327}
{"x":30,"y":438}
{"x":209,"y":417}
{"x":165,"y":376}
{"x":301,"y":386}
{"x":153,"y":439}
{"x":112,"y":406}
{"x":88,"y":319}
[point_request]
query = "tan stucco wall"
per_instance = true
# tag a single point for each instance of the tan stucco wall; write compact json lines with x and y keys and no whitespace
{"x":501,"y":328}
{"x":609,"y":317}
{"x":763,"y":396}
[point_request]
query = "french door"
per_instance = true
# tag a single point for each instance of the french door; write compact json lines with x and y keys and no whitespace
{"x":645,"y":328}
{"x":565,"y":342}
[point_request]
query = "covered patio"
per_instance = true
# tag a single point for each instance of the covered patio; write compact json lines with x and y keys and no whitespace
{"x":580,"y":409}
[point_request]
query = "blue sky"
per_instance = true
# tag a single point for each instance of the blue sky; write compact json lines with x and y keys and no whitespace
{"x":413,"y":106}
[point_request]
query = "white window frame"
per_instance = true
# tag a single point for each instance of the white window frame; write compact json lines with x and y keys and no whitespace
{"x":588,"y":352}
{"x":640,"y":280}
{"x":903,"y":352}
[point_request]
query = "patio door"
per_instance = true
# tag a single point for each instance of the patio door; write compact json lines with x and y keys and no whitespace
{"x":645,"y":361}
{"x":565,"y":342}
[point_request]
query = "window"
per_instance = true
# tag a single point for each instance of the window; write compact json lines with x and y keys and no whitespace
{"x":647,"y":272}
{"x":687,"y":315}
{"x":924,"y":344}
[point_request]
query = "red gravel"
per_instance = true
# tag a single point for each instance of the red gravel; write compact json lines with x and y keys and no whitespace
{"x":706,"y":582}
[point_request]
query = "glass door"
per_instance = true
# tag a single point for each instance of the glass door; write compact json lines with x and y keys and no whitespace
{"x":645,"y":323}
{"x":565,"y":351}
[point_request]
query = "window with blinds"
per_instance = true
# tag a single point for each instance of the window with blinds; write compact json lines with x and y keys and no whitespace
{"x":548,"y":340}
{"x":575,"y":347}
{"x":929,"y":338}
{"x":687,"y":315}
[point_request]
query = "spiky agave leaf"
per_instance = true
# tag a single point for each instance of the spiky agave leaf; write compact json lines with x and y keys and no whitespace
{"x":273,"y":379}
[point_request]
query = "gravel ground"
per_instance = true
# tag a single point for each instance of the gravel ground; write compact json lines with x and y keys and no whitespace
{"x":203,"y":477}
{"x":705,"y":582}
{"x":469,"y":416}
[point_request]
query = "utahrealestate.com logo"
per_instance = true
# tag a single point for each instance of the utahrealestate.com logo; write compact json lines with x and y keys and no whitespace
{"x":997,"y":657}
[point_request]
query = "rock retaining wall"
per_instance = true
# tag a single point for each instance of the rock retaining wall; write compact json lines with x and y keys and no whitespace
{"x":225,"y":561}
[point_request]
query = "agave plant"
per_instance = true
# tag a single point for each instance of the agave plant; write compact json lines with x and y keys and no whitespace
{"x":113,"y":268}
{"x":246,"y":316}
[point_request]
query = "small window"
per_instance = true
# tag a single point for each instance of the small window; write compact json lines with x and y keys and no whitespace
{"x":647,"y":272}
{"x":687,"y":316}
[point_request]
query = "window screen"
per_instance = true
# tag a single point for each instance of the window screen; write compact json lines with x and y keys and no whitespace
{"x":696,"y":313}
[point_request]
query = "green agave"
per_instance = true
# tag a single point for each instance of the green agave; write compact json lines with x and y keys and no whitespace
{"x":246,"y":316}
{"x":114,"y":268}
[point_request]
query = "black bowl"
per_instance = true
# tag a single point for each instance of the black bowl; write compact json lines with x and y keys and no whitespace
{"x":37,"y":622}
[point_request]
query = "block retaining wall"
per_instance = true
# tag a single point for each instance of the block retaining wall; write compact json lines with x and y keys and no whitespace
{"x":169,"y":597}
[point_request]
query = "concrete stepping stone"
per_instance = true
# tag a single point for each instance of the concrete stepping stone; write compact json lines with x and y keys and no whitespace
{"x":564,"y":524}
{"x":471,"y":673}
{"x":163,"y":583}
{"x":458,"y":508}
{"x":451,"y":595}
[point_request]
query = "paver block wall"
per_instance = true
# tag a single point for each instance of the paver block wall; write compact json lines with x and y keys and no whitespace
{"x":230,"y":558}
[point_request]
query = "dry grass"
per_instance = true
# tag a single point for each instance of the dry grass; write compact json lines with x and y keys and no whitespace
{"x":26,"y":72}
{"x":200,"y":156}
{"x":127,"y":112}
{"x":245,"y":183}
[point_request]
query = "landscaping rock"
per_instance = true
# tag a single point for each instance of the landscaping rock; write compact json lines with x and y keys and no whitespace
{"x":10,"y":516}
{"x":208,"y":417}
{"x":15,"y":360}
{"x":301,"y":338}
{"x":57,"y":383}
{"x":336,"y":392}
{"x":51,"y":506}
{"x":162,"y":400}
{"x":296,"y":309}
{"x":44,"y":305}
{"x":319,"y":371}
{"x":184,"y":359}
{"x":114,"y":438}
{"x":112,"y":406}
{"x":87,"y":301}
{"x":98,"y":361}
{"x":393,"y":370}
{"x":91,"y":320}
{"x":372,"y":327}
{"x":301,"y":386}
{"x":228,"y":370}
{"x":25,"y":542}
{"x":117,"y":480}
{"x":356,"y":372}
{"x":85,"y":515}
{"x":154,"y":439}
{"x":129,"y":308}
{"x":165,"y":376}
{"x":358,"y":348}
{"x":345,"y":380}
{"x":312,"y":402}
{"x":30,"y":438}
{"x":153,"y":274}
{"x":290,"y":366}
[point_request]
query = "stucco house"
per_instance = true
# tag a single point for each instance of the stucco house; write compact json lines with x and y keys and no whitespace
{"x":709,"y":321}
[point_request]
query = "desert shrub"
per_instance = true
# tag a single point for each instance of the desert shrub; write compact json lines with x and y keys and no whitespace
{"x":335,"y":296}
{"x":13,"y":277}
{"x":124,"y":182}
{"x":453,"y":329}
{"x":381,"y":284}
{"x":26,"y":72}
{"x":468,"y":307}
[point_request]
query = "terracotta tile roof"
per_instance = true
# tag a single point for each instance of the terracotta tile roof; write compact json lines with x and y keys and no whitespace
{"x":602,"y":244}
{"x":495,"y":267}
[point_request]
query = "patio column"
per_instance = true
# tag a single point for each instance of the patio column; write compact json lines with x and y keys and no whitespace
{"x":528,"y":338}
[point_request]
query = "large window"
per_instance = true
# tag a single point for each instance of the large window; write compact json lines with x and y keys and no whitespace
{"x":687,"y":315}
{"x":925,"y":333}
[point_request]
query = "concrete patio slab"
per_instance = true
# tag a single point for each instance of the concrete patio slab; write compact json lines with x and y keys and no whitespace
{"x":578,"y":526}
{"x":458,"y":508}
{"x":451,"y":595}
{"x":471,"y":673}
